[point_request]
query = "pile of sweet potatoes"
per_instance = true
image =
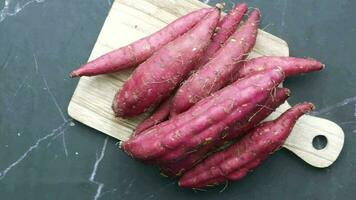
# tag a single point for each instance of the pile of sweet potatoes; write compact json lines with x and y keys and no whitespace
{"x":209,"y":99}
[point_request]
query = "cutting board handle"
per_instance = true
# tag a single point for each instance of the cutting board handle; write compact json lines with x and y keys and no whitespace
{"x":307,"y":128}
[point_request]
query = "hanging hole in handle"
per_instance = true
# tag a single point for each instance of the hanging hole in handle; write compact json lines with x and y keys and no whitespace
{"x":320,"y":142}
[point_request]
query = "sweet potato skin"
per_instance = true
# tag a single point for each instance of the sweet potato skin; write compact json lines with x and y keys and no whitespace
{"x":234,"y":162}
{"x":174,"y":139}
{"x":216,"y":74}
{"x":260,"y":113}
{"x":140,"y":50}
{"x":290,"y":65}
{"x":159,"y":75}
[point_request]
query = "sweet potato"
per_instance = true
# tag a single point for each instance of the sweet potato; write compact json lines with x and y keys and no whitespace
{"x":216,"y":73}
{"x":161,"y":114}
{"x":174,"y":139}
{"x":225,"y":28}
{"x":234,"y":162}
{"x":140,"y":50}
{"x":159,"y":75}
{"x":223,"y":31}
{"x":260,"y":113}
{"x":290,"y":65}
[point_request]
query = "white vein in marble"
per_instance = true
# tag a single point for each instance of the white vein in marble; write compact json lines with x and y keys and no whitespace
{"x":95,"y":169}
{"x":107,"y":192}
{"x":355,"y":118}
{"x":337,"y":105}
{"x":64,"y":145}
{"x":56,"y":131}
{"x":24,"y":81}
{"x":5,"y":65}
{"x":159,"y":190}
{"x":284,"y":11}
{"x":54,"y":100}
{"x":36,"y":63}
{"x":19,"y":87}
{"x":129,"y":186}
{"x":12,"y":7}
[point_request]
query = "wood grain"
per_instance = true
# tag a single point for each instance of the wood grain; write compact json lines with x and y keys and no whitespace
{"x":129,"y":20}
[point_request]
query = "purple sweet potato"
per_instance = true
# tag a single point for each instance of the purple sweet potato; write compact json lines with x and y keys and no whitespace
{"x":216,"y":73}
{"x":159,"y":75}
{"x":259,"y":114}
{"x":140,"y":50}
{"x":225,"y":28}
{"x":290,"y":65}
{"x":234,"y":162}
{"x":174,"y":139}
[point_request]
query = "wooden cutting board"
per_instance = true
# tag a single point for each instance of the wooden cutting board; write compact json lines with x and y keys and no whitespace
{"x":129,"y":20}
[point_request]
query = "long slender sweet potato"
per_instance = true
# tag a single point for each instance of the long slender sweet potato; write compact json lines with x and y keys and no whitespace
{"x":290,"y":65}
{"x":225,"y":28}
{"x":245,"y":155}
{"x":215,"y":74}
{"x":140,"y":50}
{"x":260,"y":113}
{"x":159,"y":75}
{"x":176,"y":138}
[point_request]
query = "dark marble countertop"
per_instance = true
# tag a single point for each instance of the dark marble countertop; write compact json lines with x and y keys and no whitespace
{"x":46,"y":155}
